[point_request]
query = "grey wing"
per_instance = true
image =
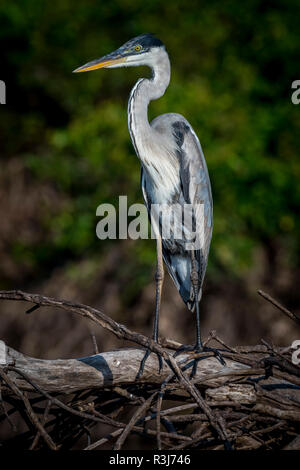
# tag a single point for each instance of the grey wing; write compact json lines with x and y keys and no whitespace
{"x":168,"y":246}
{"x":195,"y":180}
{"x":196,"y":190}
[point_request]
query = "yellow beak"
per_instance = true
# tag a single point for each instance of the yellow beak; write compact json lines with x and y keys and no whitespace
{"x":99,"y":64}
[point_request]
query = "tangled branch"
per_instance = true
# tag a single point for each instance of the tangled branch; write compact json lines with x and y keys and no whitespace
{"x":252,"y":402}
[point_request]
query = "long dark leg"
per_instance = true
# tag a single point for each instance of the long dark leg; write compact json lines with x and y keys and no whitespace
{"x":159,"y":279}
{"x":198,"y":346}
{"x":195,"y":284}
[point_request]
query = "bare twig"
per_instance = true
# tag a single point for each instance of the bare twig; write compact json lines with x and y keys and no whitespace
{"x":45,"y":416}
{"x":94,"y":341}
{"x":287,"y":312}
{"x":142,"y":409}
{"x":158,"y":417}
{"x":29,"y":410}
{"x":246,"y":404}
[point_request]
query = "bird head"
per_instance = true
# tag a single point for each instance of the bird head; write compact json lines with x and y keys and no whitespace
{"x":141,"y":50}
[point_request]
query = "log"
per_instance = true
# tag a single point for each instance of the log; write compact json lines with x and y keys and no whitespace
{"x":250,"y":402}
{"x":113,"y":368}
{"x":120,"y":368}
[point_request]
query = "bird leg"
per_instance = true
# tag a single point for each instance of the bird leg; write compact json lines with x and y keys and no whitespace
{"x":198,"y":346}
{"x":159,"y":279}
{"x":195,"y":284}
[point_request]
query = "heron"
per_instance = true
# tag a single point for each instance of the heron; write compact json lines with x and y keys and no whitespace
{"x":173,"y":172}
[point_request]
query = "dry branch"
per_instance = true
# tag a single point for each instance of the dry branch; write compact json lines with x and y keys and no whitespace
{"x":108,"y":369}
{"x":252,"y":402}
{"x":277,"y":304}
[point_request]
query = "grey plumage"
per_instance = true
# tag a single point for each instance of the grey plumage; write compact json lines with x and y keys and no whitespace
{"x":174,"y":171}
{"x":194,"y":188}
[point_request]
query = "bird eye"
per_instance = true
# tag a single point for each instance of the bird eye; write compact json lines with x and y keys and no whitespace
{"x":138,"y":48}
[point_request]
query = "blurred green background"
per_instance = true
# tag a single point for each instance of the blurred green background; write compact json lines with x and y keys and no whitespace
{"x":65,"y":149}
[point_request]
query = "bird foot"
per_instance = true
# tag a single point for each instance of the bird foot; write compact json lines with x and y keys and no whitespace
{"x":198,"y":349}
{"x":143,"y":362}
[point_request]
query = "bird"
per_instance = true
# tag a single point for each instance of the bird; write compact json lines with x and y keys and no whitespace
{"x":173,"y":174}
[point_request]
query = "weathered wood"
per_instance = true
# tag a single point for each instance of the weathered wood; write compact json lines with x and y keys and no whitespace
{"x":251,"y":402}
{"x":120,"y":368}
{"x":113,"y":368}
{"x":294,"y":444}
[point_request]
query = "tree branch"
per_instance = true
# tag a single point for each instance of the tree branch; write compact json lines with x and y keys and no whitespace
{"x":258,"y":384}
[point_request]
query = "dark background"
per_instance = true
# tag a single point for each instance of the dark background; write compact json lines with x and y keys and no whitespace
{"x":65,"y":149}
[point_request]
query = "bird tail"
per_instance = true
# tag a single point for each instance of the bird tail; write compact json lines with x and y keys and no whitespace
{"x":191,"y":304}
{"x":179,"y":268}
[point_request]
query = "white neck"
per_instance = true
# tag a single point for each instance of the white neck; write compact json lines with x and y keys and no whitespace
{"x":144,"y":91}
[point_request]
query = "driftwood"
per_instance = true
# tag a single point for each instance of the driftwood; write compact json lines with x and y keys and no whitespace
{"x":253,"y":402}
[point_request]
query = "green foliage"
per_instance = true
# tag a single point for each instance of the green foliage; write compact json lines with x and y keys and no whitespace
{"x":232,"y":68}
